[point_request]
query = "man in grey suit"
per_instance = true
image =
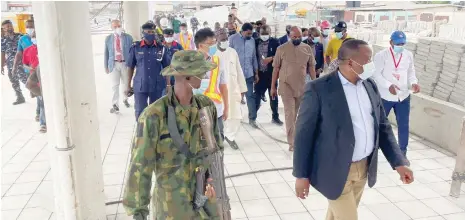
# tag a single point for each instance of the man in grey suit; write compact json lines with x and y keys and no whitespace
{"x":340,"y":126}
{"x":117,"y":47}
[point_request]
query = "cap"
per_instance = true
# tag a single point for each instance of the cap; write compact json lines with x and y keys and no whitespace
{"x":325,"y":24}
{"x":398,"y":37}
{"x":168,"y":31}
{"x":188,"y":63}
{"x":340,"y":26}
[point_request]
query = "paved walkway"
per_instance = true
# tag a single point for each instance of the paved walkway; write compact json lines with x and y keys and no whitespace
{"x":27,"y":191}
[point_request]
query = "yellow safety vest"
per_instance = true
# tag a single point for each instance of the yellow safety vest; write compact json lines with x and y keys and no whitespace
{"x":212,"y":91}
{"x":185,"y":45}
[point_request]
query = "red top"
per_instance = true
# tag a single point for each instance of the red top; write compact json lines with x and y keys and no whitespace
{"x":30,"y":57}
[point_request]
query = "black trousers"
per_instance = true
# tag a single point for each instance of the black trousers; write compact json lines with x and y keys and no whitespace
{"x":264,"y":83}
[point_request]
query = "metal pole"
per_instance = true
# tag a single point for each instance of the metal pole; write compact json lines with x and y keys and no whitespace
{"x":68,"y":81}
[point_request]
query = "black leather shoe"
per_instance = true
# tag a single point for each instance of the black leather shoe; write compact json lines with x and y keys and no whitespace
{"x":277,"y":121}
{"x":233,"y":144}
{"x":253,"y":123}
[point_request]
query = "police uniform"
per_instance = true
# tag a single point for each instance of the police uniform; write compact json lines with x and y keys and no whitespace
{"x":9,"y":47}
{"x":154,"y":151}
{"x":148,"y":84}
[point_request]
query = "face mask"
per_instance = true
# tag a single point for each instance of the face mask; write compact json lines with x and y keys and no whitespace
{"x":264,"y":37}
{"x":398,"y":49}
{"x":297,"y":42}
{"x":232,"y":32}
{"x":212,"y":50}
{"x":288,"y":32}
{"x":203,"y":87}
{"x":149,"y":37}
{"x":169,"y":39}
{"x":339,"y":35}
{"x":224,"y":44}
{"x":316,"y":40}
{"x":368,"y":70}
{"x":118,"y":31}
{"x":29,"y":31}
{"x":248,"y":37}
{"x":183,"y":31}
{"x":34,"y":41}
{"x":304,"y":38}
{"x":325,"y":32}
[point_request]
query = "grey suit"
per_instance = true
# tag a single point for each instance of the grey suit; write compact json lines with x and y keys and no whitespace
{"x":109,"y":54}
{"x":324,"y":140}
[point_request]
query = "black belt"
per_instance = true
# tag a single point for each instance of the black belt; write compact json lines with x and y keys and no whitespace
{"x":119,"y":61}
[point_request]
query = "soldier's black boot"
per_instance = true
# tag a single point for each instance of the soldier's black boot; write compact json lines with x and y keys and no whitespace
{"x":20,"y":99}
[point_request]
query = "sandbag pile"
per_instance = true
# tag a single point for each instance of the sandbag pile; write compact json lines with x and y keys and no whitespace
{"x":454,"y":60}
{"x":445,"y":83}
{"x":427,"y":78}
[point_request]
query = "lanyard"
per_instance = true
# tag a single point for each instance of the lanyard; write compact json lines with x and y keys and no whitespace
{"x":394,"y":59}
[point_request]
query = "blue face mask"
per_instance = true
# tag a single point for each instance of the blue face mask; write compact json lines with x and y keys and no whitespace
{"x":398,"y":49}
{"x":149,"y":37}
{"x":339,"y":35}
{"x":212,"y":50}
{"x":316,"y":40}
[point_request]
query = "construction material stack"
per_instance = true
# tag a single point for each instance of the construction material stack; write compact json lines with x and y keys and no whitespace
{"x":427,"y":79}
{"x":458,"y":94}
{"x":444,"y":86}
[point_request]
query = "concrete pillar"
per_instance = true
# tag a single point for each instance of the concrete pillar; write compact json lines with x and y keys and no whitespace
{"x":135,"y":14}
{"x":131,"y":19}
{"x":68,"y":79}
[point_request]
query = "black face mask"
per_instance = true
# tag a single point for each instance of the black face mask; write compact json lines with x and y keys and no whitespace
{"x":297,"y":42}
{"x":248,"y":38}
{"x":232,"y":32}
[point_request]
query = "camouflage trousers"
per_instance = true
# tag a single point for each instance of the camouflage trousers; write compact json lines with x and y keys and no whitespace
{"x":15,"y":78}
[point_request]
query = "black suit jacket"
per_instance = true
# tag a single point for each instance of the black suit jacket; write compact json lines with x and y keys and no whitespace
{"x":283,"y":40}
{"x":273,"y":45}
{"x":324,"y":140}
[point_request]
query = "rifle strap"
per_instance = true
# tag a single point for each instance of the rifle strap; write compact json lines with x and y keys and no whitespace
{"x":174,"y":133}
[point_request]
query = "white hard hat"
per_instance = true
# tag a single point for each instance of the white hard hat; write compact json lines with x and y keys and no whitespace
{"x":164,"y":22}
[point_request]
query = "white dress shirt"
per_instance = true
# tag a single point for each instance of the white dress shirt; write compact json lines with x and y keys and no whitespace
{"x":386,"y":74}
{"x":362,"y":120}
{"x":120,"y":44}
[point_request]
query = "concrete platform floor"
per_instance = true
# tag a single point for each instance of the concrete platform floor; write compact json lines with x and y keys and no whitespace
{"x":27,"y":191}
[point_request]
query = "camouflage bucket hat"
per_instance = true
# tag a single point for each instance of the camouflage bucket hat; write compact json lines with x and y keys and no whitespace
{"x":188,"y":63}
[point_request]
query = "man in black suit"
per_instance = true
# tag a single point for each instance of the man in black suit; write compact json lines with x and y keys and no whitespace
{"x":266,"y":47}
{"x":340,"y":126}
{"x":284,"y":39}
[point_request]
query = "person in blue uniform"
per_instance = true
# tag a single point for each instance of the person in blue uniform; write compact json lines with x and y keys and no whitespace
{"x":148,"y":58}
{"x":171,"y":47}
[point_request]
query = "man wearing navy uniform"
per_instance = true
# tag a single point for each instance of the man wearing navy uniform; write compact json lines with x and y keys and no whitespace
{"x":171,"y":47}
{"x":149,"y":58}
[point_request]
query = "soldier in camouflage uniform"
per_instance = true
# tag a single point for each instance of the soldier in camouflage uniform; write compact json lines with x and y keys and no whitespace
{"x":9,"y":46}
{"x":154,"y":150}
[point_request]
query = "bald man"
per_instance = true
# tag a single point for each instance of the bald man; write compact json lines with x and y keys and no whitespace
{"x":292,"y":62}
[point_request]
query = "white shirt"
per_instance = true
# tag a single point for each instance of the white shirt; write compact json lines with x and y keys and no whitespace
{"x":236,"y":80}
{"x":386,"y":73}
{"x":363,"y":122}
{"x":120,"y":44}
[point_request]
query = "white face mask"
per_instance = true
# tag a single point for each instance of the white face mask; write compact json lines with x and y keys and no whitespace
{"x":34,"y":41}
{"x":183,"y":31}
{"x":368,"y":70}
{"x":169,"y":39}
{"x":118,"y":31}
{"x":224,"y":44}
{"x":29,"y":31}
{"x":265,"y":37}
{"x":304,"y":38}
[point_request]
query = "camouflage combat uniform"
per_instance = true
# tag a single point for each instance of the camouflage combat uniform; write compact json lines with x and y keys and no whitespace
{"x":154,"y":152}
{"x":9,"y":47}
